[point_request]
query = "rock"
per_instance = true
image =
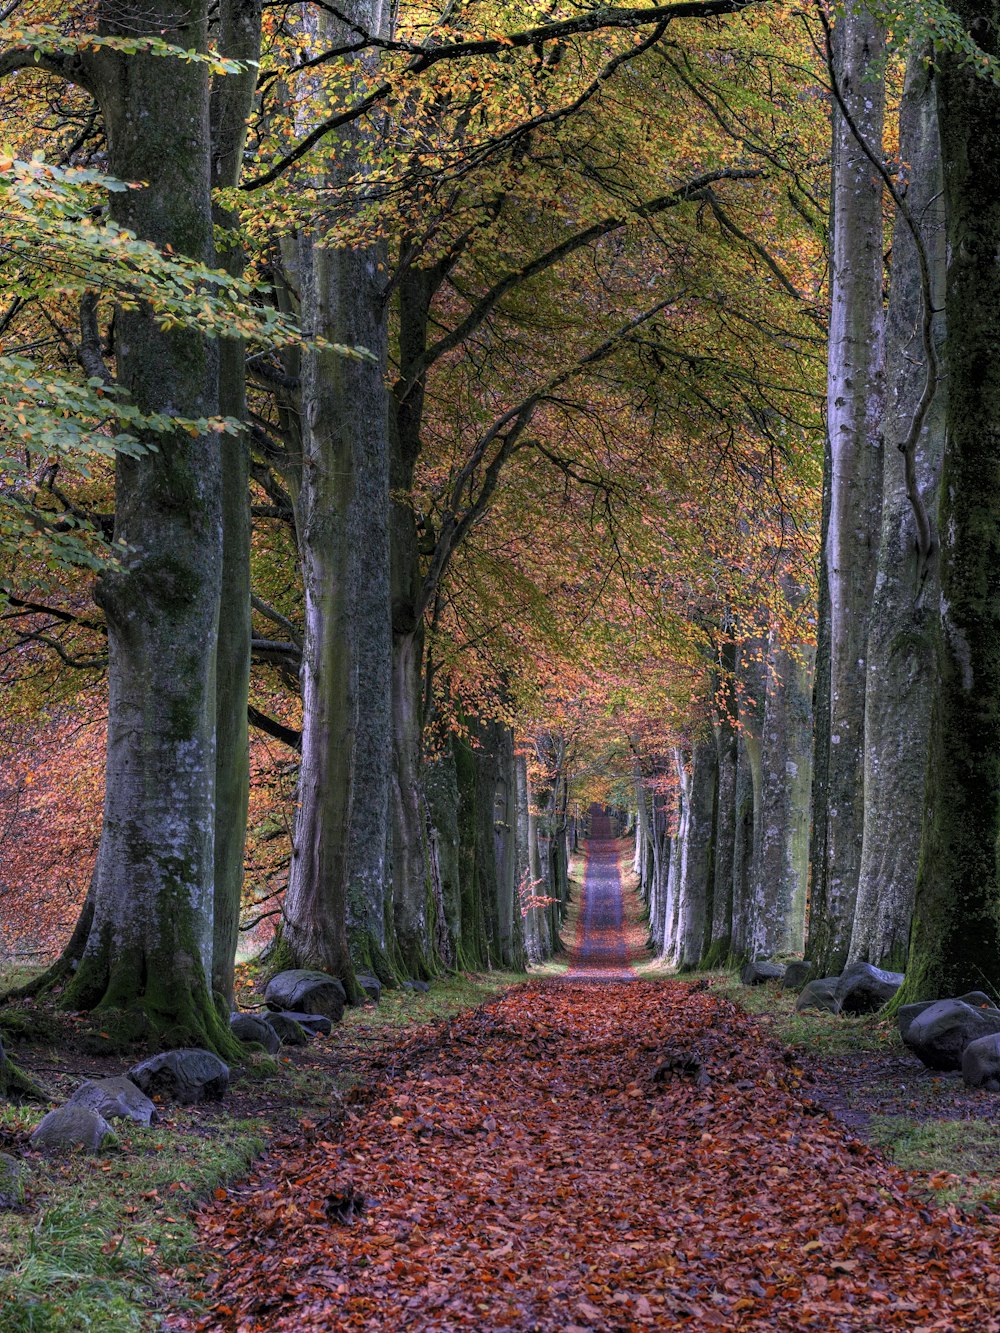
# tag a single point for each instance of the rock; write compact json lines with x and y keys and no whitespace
{"x":864,"y":989}
{"x":371,"y":986}
{"x":420,"y":986}
{"x":115,"y":1099}
{"x":940,"y":1034}
{"x":288,"y":1031}
{"x":13,"y":1174}
{"x":907,"y":1013}
{"x":74,"y":1127}
{"x":313,"y":1025}
{"x":981,"y":1063}
{"x":796,"y":975}
{"x":185,"y":1076}
{"x":757,"y":972}
{"x":303,"y":988}
{"x":255,"y":1027}
{"x":819,"y":994}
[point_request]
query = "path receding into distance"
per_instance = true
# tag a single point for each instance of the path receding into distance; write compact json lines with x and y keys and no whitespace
{"x":599,"y":952}
{"x":576,"y":1157}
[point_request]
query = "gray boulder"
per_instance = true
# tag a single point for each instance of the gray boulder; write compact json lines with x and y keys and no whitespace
{"x":308,"y":990}
{"x":288,"y":1031}
{"x":371,"y":986}
{"x":756,"y":972}
{"x":864,"y":989}
{"x":819,"y":994}
{"x":981,"y":1063}
{"x":797,"y":974}
{"x":313,"y":1025}
{"x":255,"y":1028}
{"x":73,"y":1127}
{"x":908,"y":1012}
{"x":940,"y":1034}
{"x":186,"y":1076}
{"x":115,"y":1099}
{"x":420,"y":986}
{"x":13,"y":1174}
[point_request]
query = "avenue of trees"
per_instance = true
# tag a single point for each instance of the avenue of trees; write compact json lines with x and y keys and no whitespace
{"x":502,"y":408}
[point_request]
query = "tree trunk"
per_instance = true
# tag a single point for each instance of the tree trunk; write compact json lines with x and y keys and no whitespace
{"x":150,"y":944}
{"x":539,"y":915}
{"x":854,"y":409}
{"x":955,"y":942}
{"x":725,"y":840}
{"x":409,"y":862}
{"x":341,"y":501}
{"x":696,"y":861}
{"x":238,"y":38}
{"x":780,"y":871}
{"x":907,"y":590}
{"x":750,"y":692}
{"x":669,"y":941}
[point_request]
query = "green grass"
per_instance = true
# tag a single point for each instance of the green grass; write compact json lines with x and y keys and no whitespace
{"x":86,"y":1254}
{"x":957,"y":1161}
{"x":812,"y":1031}
{"x":448,"y":996}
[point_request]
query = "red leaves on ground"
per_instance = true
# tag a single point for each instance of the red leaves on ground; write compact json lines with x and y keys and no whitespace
{"x":522,"y":1169}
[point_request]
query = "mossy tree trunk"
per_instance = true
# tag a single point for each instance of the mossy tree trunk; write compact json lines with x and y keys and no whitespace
{"x":854,"y":410}
{"x":907,"y":589}
{"x":955,"y":942}
{"x":151,"y":940}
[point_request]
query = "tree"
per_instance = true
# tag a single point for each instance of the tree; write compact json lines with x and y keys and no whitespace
{"x":955,"y":942}
{"x":850,"y":525}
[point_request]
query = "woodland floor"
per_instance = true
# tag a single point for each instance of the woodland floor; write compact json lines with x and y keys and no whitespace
{"x":598,"y":1152}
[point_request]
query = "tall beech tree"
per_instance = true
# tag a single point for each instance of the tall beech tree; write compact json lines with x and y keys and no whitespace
{"x":337,"y":468}
{"x":151,"y":940}
{"x":851,"y":522}
{"x":907,"y":589}
{"x":955,"y":942}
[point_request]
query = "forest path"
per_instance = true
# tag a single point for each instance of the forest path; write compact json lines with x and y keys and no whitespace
{"x":600,"y":950}
{"x":545,"y":1163}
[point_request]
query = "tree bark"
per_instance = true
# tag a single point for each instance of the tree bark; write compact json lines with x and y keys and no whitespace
{"x":151,"y":941}
{"x":780,"y":871}
{"x":238,"y":38}
{"x":750,"y":693}
{"x":696,"y":858}
{"x":955,"y":942}
{"x":334,"y":906}
{"x":854,"y":410}
{"x":907,"y":589}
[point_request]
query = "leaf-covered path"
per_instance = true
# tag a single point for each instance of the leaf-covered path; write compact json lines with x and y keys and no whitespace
{"x":579,"y":1156}
{"x":600,"y":950}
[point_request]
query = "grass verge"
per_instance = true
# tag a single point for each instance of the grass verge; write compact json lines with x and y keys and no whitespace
{"x":85,"y":1249}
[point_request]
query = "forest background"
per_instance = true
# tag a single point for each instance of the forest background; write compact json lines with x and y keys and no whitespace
{"x":496,"y":409}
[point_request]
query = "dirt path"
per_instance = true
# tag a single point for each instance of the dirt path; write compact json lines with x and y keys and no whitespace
{"x":599,"y":951}
{"x":591,"y":1157}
